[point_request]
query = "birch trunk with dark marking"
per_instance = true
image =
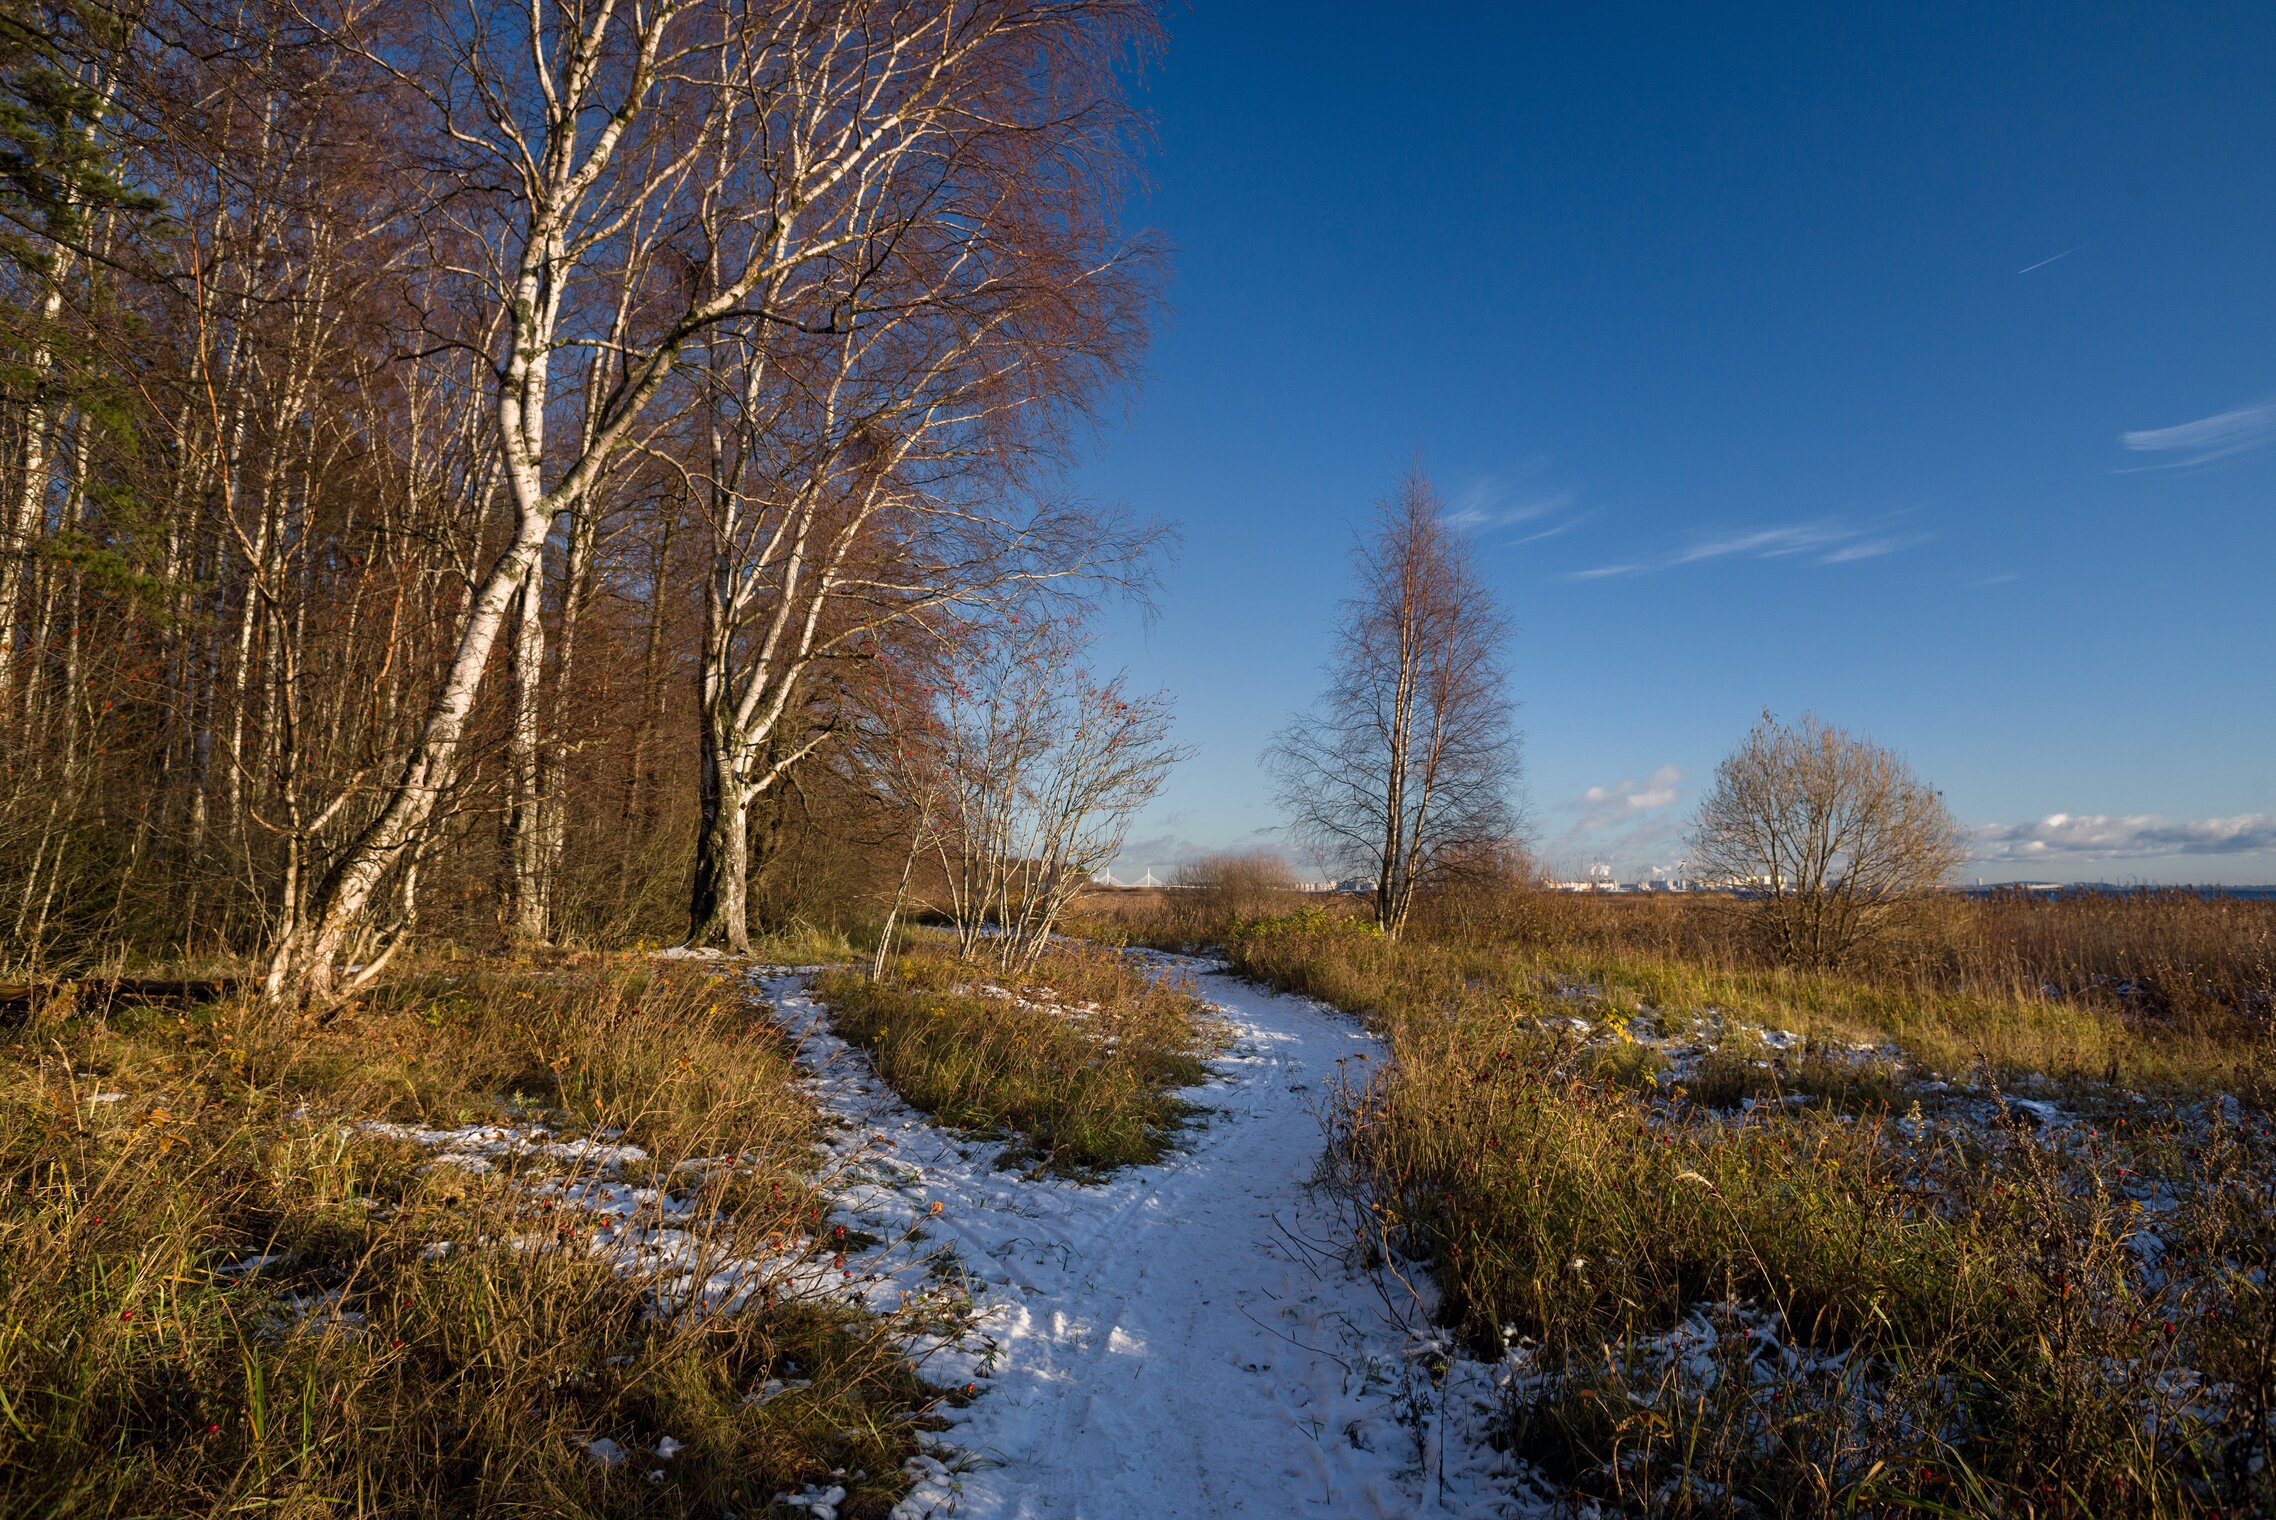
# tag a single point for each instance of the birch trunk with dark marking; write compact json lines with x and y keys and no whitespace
{"x":528,"y":858}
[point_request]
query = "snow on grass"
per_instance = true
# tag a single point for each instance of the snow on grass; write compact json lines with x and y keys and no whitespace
{"x":1183,"y":1339}
{"x":677,"y":1245}
{"x":474,"y":1146}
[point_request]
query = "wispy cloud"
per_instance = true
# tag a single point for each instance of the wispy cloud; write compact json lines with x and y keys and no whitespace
{"x":1868,"y":548}
{"x":1488,"y":504}
{"x":1824,"y":541}
{"x":2043,"y":263}
{"x":2207,"y":439}
{"x":2082,"y":837}
{"x":1489,"y":507}
{"x":1566,"y":526}
{"x":2000,"y":579}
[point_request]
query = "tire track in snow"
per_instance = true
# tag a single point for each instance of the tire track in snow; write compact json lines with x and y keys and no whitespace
{"x":1183,"y":1340}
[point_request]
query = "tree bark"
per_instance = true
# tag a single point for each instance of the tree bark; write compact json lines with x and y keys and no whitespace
{"x":529,"y":865}
{"x":25,"y":502}
{"x":719,"y":912}
{"x":305,"y":965}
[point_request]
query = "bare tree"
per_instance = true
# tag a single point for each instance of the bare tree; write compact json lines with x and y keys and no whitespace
{"x":913,"y":773}
{"x":353,"y":556}
{"x":1832,"y":832}
{"x":1411,"y":754}
{"x":649,"y":181}
{"x":1046,"y":767}
{"x":832,"y":533}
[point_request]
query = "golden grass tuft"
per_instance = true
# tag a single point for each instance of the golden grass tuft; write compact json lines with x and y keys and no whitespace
{"x":366,"y":1369}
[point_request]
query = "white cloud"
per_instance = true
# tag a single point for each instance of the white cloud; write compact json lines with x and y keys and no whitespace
{"x":2208,"y":438}
{"x":1487,"y":504}
{"x":1825,"y":541}
{"x":1619,"y":806}
{"x":2076,"y":836}
{"x":1622,"y":823}
{"x":1603,"y":806}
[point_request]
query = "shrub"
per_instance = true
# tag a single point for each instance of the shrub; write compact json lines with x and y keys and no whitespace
{"x":1834,"y":833}
{"x":1218,"y":892}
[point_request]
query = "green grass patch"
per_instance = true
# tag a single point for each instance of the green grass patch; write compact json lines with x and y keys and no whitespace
{"x":1079,"y":1062}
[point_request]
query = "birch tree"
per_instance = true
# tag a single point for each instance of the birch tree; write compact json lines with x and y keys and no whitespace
{"x":1410,"y":755}
{"x":1046,"y":765}
{"x":734,"y":136}
{"x":872,"y":465}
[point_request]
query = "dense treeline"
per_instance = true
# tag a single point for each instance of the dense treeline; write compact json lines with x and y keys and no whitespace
{"x":474,"y":470}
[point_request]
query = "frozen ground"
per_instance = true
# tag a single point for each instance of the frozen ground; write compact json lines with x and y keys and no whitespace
{"x":1185,"y":1340}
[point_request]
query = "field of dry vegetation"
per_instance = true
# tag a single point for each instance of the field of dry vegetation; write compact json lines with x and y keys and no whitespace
{"x":1982,"y":1223}
{"x":469,"y":1247}
{"x":2170,"y":986}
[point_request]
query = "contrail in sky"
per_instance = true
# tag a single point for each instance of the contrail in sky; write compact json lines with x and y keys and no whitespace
{"x":2043,"y":263}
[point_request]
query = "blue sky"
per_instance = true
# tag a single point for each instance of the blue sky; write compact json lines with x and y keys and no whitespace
{"x":1912,"y":364}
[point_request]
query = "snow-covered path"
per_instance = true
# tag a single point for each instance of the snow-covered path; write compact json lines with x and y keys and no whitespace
{"x":1183,"y":1340}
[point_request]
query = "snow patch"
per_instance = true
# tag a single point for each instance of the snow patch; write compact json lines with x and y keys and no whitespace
{"x":1183,"y":1339}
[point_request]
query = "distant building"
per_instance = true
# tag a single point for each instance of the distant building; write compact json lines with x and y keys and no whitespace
{"x":1654,"y":884}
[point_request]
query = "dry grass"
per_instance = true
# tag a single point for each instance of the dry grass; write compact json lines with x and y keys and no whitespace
{"x":1080,"y":1062}
{"x":1733,"y":1074}
{"x":365,"y":1370}
{"x":1827,"y":1307}
{"x":1956,"y":1323}
{"x":2174,"y":957}
{"x":1980,"y":992}
{"x":1808,"y":1311}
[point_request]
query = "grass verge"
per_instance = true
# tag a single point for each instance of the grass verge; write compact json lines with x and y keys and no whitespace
{"x":1822,"y":1309}
{"x":1079,"y":1062}
{"x":224,"y":1288}
{"x":1342,"y":961}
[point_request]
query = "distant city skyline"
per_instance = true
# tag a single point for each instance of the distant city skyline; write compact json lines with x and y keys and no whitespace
{"x":1915,"y":367}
